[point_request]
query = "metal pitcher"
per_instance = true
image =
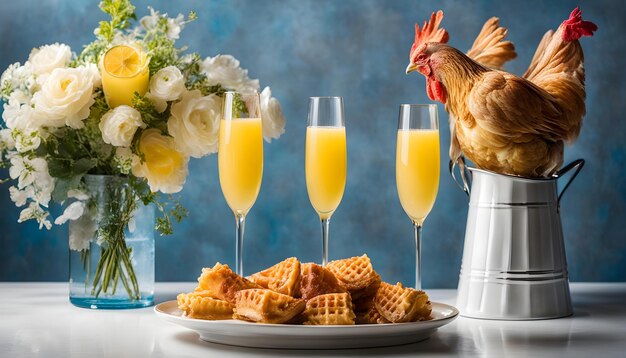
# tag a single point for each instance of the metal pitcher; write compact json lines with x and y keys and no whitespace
{"x":514,"y":265}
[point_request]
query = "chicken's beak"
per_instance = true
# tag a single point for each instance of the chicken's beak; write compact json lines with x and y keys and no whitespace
{"x":410,"y":68}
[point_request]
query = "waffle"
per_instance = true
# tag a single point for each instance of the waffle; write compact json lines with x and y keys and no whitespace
{"x":317,"y":280}
{"x":356,"y":275}
{"x":266,"y":306}
{"x":197,"y":306}
{"x":400,"y":304}
{"x":363,"y":304}
{"x":370,"y":316}
{"x":284,"y":277}
{"x":222,"y":283}
{"x":329,"y":309}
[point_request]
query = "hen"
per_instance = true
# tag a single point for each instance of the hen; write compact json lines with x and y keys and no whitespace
{"x":502,"y":122}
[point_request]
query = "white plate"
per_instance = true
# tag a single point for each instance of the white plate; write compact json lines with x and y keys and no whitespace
{"x":246,"y":334}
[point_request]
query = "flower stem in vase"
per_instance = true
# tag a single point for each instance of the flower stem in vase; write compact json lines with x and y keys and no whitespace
{"x":115,"y":257}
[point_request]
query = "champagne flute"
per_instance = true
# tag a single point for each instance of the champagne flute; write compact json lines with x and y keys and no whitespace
{"x":240,"y":159}
{"x":325,"y":160}
{"x":417,"y":167}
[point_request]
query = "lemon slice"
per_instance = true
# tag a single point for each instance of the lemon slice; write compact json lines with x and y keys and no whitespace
{"x":124,"y":61}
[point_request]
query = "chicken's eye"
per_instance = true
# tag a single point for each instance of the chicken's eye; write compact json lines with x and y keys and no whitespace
{"x":421,"y":57}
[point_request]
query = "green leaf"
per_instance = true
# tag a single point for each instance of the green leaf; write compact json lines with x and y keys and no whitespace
{"x":82,"y":166}
{"x":62,"y":186}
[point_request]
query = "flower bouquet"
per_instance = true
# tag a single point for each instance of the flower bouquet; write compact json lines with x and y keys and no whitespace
{"x":109,"y":132}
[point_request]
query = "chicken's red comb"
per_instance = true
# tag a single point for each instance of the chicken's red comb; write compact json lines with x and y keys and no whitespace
{"x":430,"y":32}
{"x":575,"y":27}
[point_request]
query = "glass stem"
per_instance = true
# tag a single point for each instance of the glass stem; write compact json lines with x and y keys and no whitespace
{"x":417,"y":228}
{"x":325,"y":228}
{"x":241,"y":224}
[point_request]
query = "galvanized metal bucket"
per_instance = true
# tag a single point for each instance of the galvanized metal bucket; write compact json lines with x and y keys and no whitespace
{"x":514,"y":265}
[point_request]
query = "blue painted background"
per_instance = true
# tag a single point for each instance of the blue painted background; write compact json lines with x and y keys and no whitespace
{"x":357,"y":49}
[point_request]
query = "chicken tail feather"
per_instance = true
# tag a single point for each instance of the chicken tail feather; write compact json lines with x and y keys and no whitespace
{"x":489,"y":48}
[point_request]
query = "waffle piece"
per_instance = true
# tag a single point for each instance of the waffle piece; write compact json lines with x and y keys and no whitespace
{"x":197,"y":306}
{"x":356,"y":275}
{"x":370,"y":316}
{"x":329,"y":309}
{"x":222,"y":283}
{"x":317,"y":280}
{"x":266,"y":306}
{"x":400,"y":304}
{"x":284,"y":277}
{"x":363,"y":304}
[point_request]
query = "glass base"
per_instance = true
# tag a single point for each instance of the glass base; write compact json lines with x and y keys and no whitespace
{"x":111,"y":303}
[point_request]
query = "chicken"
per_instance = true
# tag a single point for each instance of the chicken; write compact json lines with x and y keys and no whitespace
{"x":502,"y":122}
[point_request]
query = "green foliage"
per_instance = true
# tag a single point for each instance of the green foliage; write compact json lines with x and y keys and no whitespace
{"x":121,"y":11}
{"x":168,"y":209}
{"x":149,"y":114}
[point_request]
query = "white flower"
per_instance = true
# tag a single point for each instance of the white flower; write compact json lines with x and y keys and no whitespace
{"x":195,"y":122}
{"x":168,"y":84}
{"x":125,"y":160}
{"x":33,"y":172}
{"x":164,"y":167}
{"x":82,"y":231}
{"x":65,"y":97}
{"x":118,"y":125}
{"x":19,"y":197}
{"x":26,"y":140}
{"x":77,"y":194}
{"x":174,"y":26}
{"x":271,"y":116}
{"x":72,"y":212}
{"x":18,"y":78}
{"x":34,"y":211}
{"x":18,"y":112}
{"x":225,"y":70}
{"x":6,"y":140}
{"x":150,"y":21}
{"x":45,"y":59}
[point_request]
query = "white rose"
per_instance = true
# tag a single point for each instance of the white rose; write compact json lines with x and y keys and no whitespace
{"x":195,"y":122}
{"x":163,"y":166}
{"x":119,"y":125}
{"x":167,"y":84}
{"x":271,"y":116}
{"x":225,"y":70}
{"x":65,"y":97}
{"x":45,"y":59}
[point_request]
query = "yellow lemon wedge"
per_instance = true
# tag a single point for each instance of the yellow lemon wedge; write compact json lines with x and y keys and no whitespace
{"x":123,"y":61}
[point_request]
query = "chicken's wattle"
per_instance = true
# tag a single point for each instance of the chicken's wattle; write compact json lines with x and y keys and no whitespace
{"x":435,"y":90}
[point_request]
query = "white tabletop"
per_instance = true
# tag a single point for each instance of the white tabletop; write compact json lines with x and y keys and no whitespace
{"x":37,"y":320}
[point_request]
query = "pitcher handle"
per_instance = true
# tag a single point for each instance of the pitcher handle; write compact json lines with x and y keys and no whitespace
{"x":577,"y":165}
{"x":464,"y":174}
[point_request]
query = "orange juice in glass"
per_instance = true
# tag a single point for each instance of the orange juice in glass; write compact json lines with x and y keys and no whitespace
{"x":325,"y":160}
{"x":124,"y":71}
{"x":240,"y":159}
{"x":417,"y":168}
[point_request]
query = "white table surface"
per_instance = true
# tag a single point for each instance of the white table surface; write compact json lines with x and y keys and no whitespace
{"x":37,"y":320}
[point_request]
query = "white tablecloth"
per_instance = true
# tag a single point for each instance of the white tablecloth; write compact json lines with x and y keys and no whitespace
{"x":37,"y":320}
